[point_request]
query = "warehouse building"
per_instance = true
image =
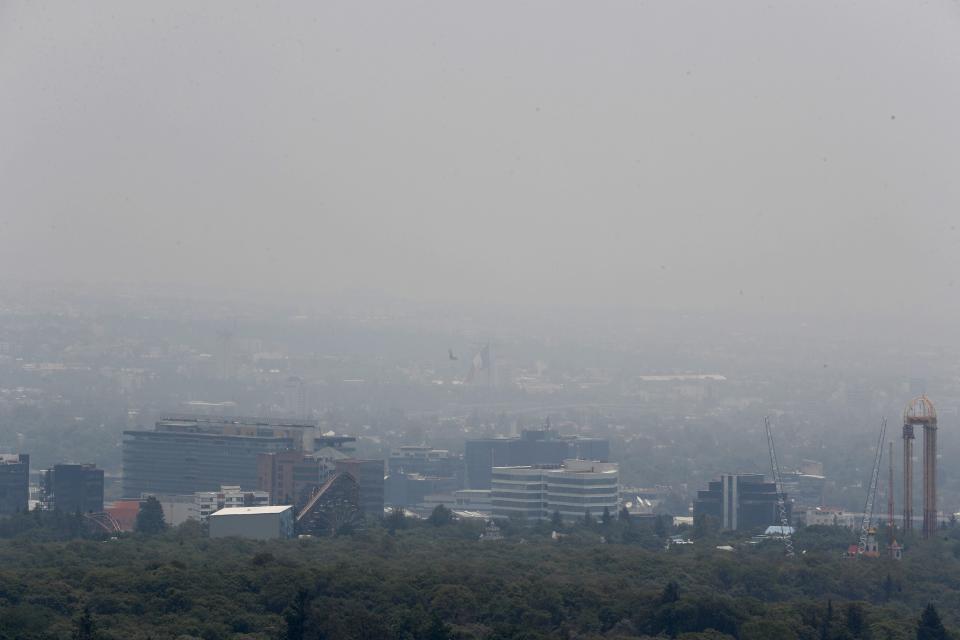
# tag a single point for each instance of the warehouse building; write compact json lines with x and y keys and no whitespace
{"x":256,"y":523}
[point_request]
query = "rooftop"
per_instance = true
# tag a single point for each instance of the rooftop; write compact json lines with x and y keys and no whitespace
{"x":241,"y":511}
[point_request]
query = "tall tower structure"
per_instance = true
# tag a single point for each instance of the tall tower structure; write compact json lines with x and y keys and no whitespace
{"x":907,"y":476}
{"x":920,"y":413}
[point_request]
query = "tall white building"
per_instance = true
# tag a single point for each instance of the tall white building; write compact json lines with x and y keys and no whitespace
{"x":573,"y":489}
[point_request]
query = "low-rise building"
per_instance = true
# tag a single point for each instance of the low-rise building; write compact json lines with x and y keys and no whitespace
{"x":257,"y":523}
{"x":199,"y":506}
{"x":473,"y":500}
{"x":829,"y":517}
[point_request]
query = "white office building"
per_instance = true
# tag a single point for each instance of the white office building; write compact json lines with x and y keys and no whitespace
{"x":573,"y":489}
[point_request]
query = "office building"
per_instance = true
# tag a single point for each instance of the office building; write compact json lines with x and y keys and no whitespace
{"x":71,"y":488}
{"x":183,"y":455}
{"x":369,"y":475}
{"x":256,"y":523}
{"x":14,"y":483}
{"x":741,"y":502}
{"x":575,"y":489}
{"x":533,"y":447}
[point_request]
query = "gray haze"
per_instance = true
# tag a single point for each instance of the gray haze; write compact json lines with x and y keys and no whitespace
{"x":710,"y":155}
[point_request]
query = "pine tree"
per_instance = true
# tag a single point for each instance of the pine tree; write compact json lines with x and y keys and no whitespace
{"x":659,"y":527}
{"x":556,"y":519}
{"x":856,"y":622}
{"x":296,"y":616}
{"x":625,"y":516}
{"x":930,"y":626}
{"x":606,"y":518}
{"x":85,"y":628}
{"x":438,"y":630}
{"x":827,"y":620}
{"x":671,"y":593}
{"x":150,"y":517}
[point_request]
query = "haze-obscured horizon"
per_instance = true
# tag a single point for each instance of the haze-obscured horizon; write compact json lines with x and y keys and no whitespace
{"x":668,"y":155}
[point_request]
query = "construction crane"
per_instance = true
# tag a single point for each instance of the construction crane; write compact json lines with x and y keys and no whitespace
{"x":872,"y":491}
{"x":778,"y":481}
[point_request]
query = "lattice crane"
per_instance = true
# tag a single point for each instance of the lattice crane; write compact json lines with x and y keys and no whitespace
{"x":872,"y":491}
{"x":778,"y":480}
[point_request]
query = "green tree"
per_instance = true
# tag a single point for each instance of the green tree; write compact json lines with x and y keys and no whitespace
{"x":625,"y":516}
{"x":85,"y":629}
{"x":856,"y":621}
{"x":150,"y":517}
{"x":440,"y":516}
{"x":587,"y":518}
{"x":670,"y":593}
{"x":827,"y":621}
{"x":296,"y":616}
{"x":556,"y":519}
{"x":704,"y":526}
{"x":606,"y":518}
{"x":930,"y":626}
{"x":396,"y":520}
{"x":660,"y":527}
{"x":437,"y":630}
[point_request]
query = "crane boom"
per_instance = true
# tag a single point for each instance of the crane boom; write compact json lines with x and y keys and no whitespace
{"x":872,"y":491}
{"x":778,"y":481}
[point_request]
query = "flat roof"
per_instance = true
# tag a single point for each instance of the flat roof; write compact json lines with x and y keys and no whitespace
{"x":238,"y":420}
{"x":240,"y":511}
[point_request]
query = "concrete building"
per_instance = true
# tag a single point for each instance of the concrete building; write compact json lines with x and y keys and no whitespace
{"x":425,"y":461}
{"x":473,"y":500}
{"x":829,"y":517}
{"x":805,"y":489}
{"x":290,"y":477}
{"x":200,"y":505}
{"x":14,"y":483}
{"x":533,"y":447}
{"x":369,"y":475}
{"x":72,"y":487}
{"x":257,"y":523}
{"x":740,"y":501}
{"x":574,"y":489}
{"x":409,"y":489}
{"x":183,"y":455}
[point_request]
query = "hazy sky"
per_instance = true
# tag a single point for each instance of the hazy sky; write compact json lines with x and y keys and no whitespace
{"x":801,"y":155}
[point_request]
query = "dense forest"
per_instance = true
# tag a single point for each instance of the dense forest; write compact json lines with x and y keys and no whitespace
{"x":436,"y":580}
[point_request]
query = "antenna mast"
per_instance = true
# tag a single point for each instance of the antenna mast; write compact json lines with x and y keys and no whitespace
{"x":778,"y":481}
